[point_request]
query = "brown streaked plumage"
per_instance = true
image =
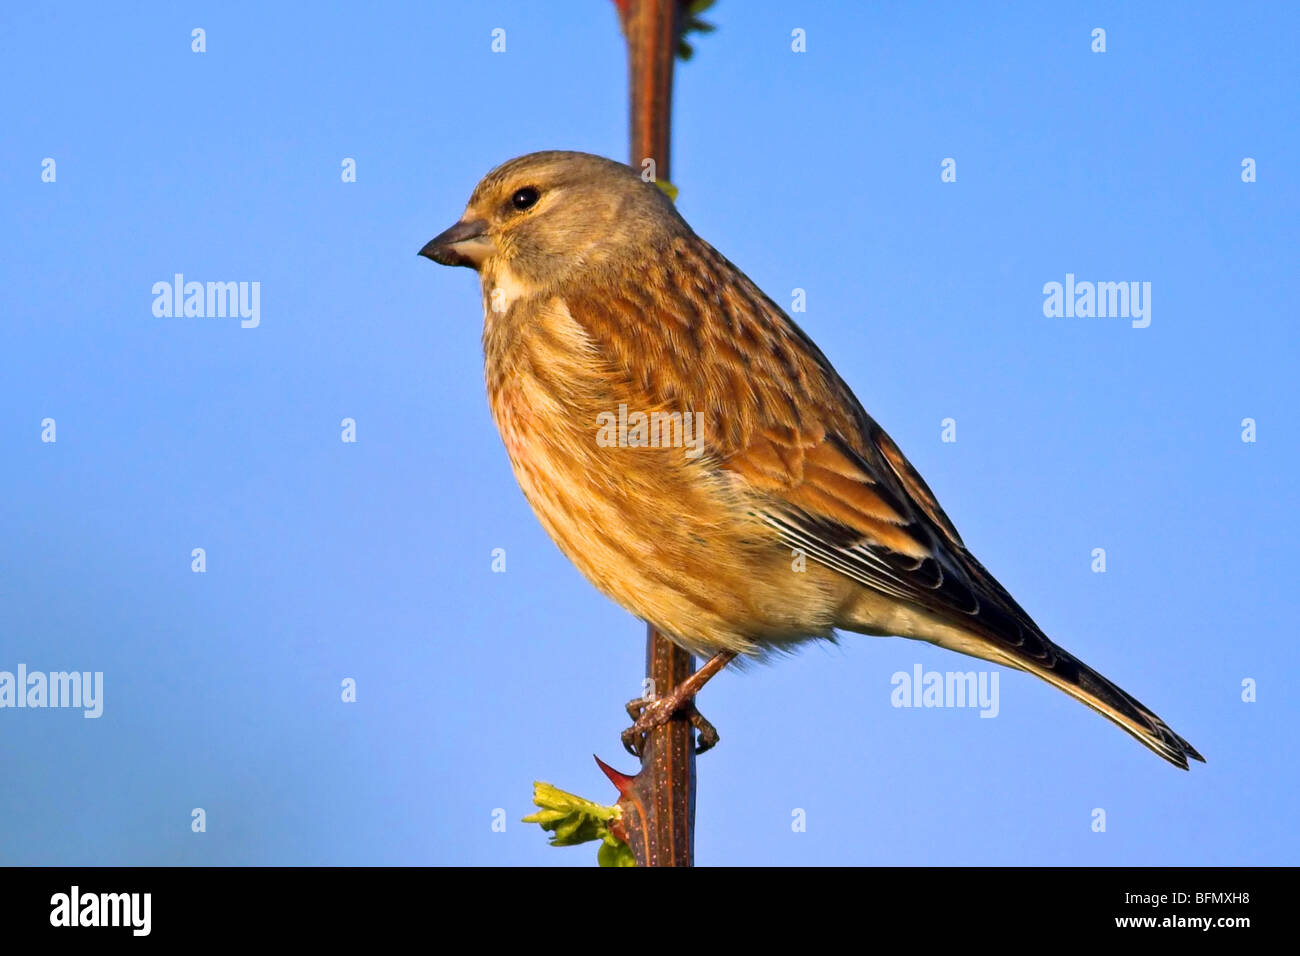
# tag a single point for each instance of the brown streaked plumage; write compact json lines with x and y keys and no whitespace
{"x":598,"y":296}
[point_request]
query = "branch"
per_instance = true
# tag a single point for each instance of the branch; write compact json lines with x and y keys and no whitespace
{"x":659,"y":803}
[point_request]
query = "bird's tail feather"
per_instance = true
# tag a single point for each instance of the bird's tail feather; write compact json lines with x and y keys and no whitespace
{"x":1063,"y":670}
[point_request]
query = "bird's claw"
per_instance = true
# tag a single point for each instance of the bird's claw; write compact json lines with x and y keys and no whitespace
{"x":649,"y":714}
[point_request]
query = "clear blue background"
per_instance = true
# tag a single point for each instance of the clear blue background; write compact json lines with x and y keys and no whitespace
{"x":373,"y":560}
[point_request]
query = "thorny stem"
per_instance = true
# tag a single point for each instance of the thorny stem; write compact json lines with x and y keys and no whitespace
{"x":660,"y":815}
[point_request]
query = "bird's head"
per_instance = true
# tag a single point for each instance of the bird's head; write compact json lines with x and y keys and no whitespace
{"x":546,"y":217}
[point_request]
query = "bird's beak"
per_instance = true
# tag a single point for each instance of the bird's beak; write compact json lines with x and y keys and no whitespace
{"x":464,"y":244}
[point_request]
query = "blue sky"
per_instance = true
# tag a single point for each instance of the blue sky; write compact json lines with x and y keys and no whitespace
{"x":372,"y":560}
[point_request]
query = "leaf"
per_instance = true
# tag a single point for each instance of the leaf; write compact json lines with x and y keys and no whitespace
{"x":693,"y":24}
{"x":572,"y":820}
{"x":669,"y":189}
{"x":616,"y":853}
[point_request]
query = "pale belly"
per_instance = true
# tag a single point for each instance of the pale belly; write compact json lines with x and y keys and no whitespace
{"x":671,"y":539}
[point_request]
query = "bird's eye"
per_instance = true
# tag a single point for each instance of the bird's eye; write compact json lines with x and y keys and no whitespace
{"x":525,"y":198}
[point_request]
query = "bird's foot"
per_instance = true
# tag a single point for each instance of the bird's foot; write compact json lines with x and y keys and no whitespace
{"x":657,"y":711}
{"x":649,"y":714}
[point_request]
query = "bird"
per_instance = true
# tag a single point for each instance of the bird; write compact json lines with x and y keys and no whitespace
{"x":698,"y":458}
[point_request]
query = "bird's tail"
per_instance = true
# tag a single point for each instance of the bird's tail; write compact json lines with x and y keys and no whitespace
{"x":1067,"y":672}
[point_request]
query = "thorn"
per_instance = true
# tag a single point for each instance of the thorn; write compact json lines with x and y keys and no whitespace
{"x":621,"y":781}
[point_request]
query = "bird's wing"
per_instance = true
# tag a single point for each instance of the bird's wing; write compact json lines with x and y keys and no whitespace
{"x":854,"y":503}
{"x":694,"y":333}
